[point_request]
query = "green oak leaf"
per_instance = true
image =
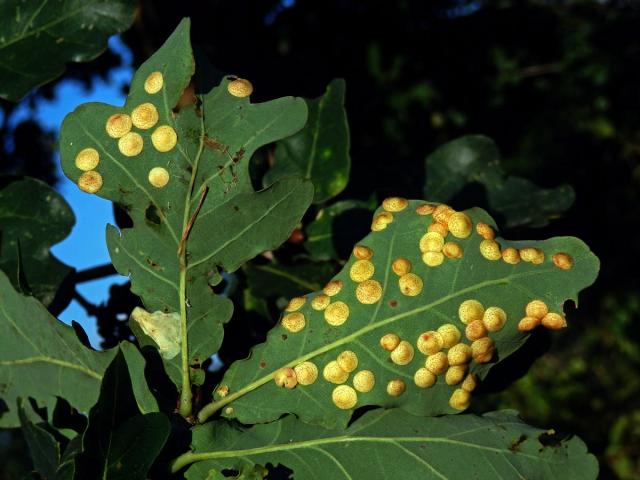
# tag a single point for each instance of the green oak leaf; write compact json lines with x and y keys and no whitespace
{"x":43,"y":447}
{"x":366,"y":308}
{"x":475,"y":159}
{"x":33,"y":217}
{"x":385,"y":444}
{"x":38,"y":37}
{"x":278,"y":280}
{"x":320,"y":151}
{"x":193,"y":208}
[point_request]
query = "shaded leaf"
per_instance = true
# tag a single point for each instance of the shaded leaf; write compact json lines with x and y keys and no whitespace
{"x":136,"y":364}
{"x":360,"y":314}
{"x":38,"y":37}
{"x":44,"y":448}
{"x":393,"y":444}
{"x":33,"y":217}
{"x":475,"y":159}
{"x":320,"y":151}
{"x":276,"y":280}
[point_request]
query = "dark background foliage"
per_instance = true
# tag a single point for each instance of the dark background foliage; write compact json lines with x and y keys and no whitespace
{"x":554,"y":83}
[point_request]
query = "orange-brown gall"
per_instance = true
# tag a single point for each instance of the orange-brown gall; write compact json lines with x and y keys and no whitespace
{"x":432,"y":259}
{"x":336,"y":313}
{"x":452,"y":250}
{"x":158,"y":177}
{"x":494,"y":319}
{"x":401,"y":266}
{"x":306,"y":373}
{"x":482,"y":350}
{"x":87,"y":159}
{"x":381,"y":221}
{"x":459,"y":354}
{"x":164,"y":138}
{"x":450,"y":335}
{"x":562,"y":261}
{"x":293,"y":322}
{"x":475,"y":330}
{"x":536,"y":308}
{"x":437,"y":363}
{"x":285,"y":378}
{"x":118,"y":125}
{"x":554,"y":321}
{"x":485,"y":231}
{"x":443,"y":213}
{"x":425,"y":209}
{"x":240,"y":88}
{"x":348,"y":361}
{"x":470,"y":383}
{"x":431,"y":242}
{"x":459,"y":225}
{"x":402,"y":354}
{"x":369,"y":292}
{"x":394,"y":204}
{"x":333,"y":287}
{"x":460,"y":399}
{"x":344,"y":397}
{"x":90,"y":182}
{"x":364,"y":381}
{"x":528,"y":323}
{"x":144,"y":116}
{"x":430,"y":342}
{"x":333,"y":373}
{"x":153,"y":83}
{"x":295,"y":304}
{"x":362,"y":253}
{"x":410,"y":284}
{"x":440,"y":228}
{"x":511,"y":256}
{"x":130,"y":144}
{"x":396,"y":387}
{"x":490,"y":249}
{"x":361,"y":270}
{"x":470,"y":310}
{"x":320,"y":302}
{"x":455,"y":374}
{"x":389,"y":341}
{"x":423,"y":378}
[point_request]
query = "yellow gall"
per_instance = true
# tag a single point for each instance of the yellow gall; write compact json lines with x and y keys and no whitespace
{"x":511,"y":256}
{"x":450,"y":335}
{"x":336,"y":313}
{"x":285,"y":378}
{"x":431,"y":242}
{"x":482,"y":349}
{"x":562,"y":260}
{"x":437,"y":227}
{"x":222,"y":391}
{"x":348,"y":361}
{"x":295,"y":304}
{"x":528,"y":323}
{"x":470,"y":383}
{"x":389,"y":341}
{"x":430,"y":343}
{"x":364,"y":381}
{"x":490,"y":249}
{"x":533,"y":255}
{"x":452,"y":250}
{"x":229,"y":411}
{"x":87,"y":159}
{"x":144,"y":116}
{"x":394,"y":204}
{"x":369,"y":292}
{"x":293,"y":322}
{"x":344,"y":397}
{"x":423,"y":378}
{"x":460,"y":399}
{"x":118,"y":125}
{"x":361,"y":270}
{"x":455,"y":374}
{"x":158,"y":177}
{"x":164,"y":138}
{"x":153,"y":83}
{"x":485,"y":231}
{"x":554,"y":321}
{"x":333,"y":287}
{"x":362,"y":253}
{"x":459,"y":354}
{"x":402,"y":354}
{"x":90,"y":182}
{"x":410,"y":284}
{"x":320,"y":302}
{"x":536,"y":308}
{"x":401,"y":266}
{"x":425,"y":209}
{"x":396,"y":387}
{"x":494,"y":319}
{"x":437,"y":363}
{"x":432,"y":259}
{"x":442,"y":213}
{"x":306,"y":373}
{"x":130,"y":144}
{"x":333,"y":373}
{"x":470,"y":310}
{"x":381,"y":221}
{"x":475,"y":330}
{"x":240,"y":88}
{"x":459,"y":225}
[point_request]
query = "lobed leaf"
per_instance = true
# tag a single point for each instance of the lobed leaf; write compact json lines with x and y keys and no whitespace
{"x":370,"y":299}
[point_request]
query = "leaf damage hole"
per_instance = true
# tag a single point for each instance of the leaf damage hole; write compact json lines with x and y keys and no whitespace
{"x":515,"y":445}
{"x":151,"y":215}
